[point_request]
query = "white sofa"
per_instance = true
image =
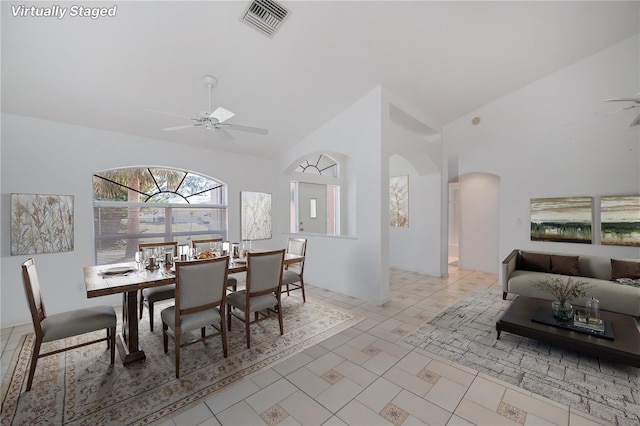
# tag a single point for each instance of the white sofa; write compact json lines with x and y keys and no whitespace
{"x":522,"y":268}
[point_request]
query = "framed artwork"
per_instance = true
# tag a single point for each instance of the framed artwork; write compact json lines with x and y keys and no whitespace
{"x":620,"y":220}
{"x":399,"y":201}
{"x":566,"y":219}
{"x":256,"y":220}
{"x":41,"y":223}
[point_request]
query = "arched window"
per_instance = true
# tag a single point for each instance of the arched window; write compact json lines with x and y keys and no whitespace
{"x":146,"y":204}
{"x":318,"y":165}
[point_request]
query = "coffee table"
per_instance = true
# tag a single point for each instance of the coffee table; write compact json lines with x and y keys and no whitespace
{"x":624,"y":348}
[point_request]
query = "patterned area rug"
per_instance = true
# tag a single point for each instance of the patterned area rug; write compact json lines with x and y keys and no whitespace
{"x":466,"y":334}
{"x":81,"y":387}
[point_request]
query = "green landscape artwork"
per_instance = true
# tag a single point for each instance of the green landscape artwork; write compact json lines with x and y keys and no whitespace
{"x":565,"y":219}
{"x":620,"y":220}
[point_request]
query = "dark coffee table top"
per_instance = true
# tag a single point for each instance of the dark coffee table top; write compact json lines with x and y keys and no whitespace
{"x":625,"y":347}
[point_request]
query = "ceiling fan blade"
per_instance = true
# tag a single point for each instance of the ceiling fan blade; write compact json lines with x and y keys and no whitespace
{"x":221,"y":114}
{"x":636,"y":121}
{"x":223,"y":134}
{"x":256,"y":130}
{"x":623,"y":100}
{"x":169,"y":113}
{"x":186,"y":126}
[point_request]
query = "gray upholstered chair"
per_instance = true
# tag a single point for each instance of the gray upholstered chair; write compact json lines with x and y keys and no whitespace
{"x":206,"y":245}
{"x":293,"y":273}
{"x":66,"y":324}
{"x":201,"y":289}
{"x":262,"y":292}
{"x":151,"y":295}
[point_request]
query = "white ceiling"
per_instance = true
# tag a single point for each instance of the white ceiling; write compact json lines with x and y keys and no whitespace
{"x":446,"y":58}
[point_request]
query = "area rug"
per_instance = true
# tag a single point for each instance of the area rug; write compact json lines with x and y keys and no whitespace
{"x":80,"y":387}
{"x":466,"y":333}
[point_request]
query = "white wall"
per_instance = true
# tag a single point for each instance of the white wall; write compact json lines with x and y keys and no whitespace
{"x":353,"y":265}
{"x":45,"y":157}
{"x":554,"y":138}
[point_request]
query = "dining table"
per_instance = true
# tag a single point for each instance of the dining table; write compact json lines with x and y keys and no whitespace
{"x":127,"y":279}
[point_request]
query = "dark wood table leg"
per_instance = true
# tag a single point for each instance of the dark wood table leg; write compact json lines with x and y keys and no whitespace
{"x":127,"y":341}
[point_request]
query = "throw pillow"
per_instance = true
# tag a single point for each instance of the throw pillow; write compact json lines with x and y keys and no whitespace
{"x":564,"y":265}
{"x":624,"y":269}
{"x":538,"y":262}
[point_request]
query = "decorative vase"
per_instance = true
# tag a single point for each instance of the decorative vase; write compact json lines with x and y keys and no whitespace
{"x":562,"y":310}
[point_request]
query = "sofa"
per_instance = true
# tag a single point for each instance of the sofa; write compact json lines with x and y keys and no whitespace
{"x":615,"y":282}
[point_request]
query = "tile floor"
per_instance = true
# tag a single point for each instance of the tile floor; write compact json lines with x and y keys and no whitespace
{"x":367,"y":376}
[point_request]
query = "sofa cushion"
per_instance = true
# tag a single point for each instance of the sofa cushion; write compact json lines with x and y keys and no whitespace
{"x":538,"y":262}
{"x":624,"y":269}
{"x":564,"y":265}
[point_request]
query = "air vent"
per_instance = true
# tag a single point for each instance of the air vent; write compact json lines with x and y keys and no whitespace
{"x":265,"y":16}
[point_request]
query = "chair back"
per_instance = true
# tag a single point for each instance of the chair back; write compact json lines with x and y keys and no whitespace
{"x":264,"y":272}
{"x":34,"y":297}
{"x":201,"y":284}
{"x":297,"y":246}
{"x":204,"y":244}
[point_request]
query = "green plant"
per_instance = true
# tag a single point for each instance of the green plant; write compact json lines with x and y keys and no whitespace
{"x":562,"y":288}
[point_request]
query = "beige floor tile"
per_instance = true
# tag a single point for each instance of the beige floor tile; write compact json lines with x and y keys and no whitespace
{"x":352,"y":353}
{"x":271,"y":395}
{"x":334,"y":341}
{"x":231,"y":395}
{"x":408,"y":381}
{"x":353,"y":371}
{"x":355,"y":413}
{"x":194,"y":416}
{"x":325,"y":363}
{"x":380,"y":363}
{"x":335,"y":421}
{"x":266,"y":377}
{"x":413,"y":362}
{"x":446,"y":394}
{"x":305,"y":410}
{"x":308,"y":382}
{"x":391,"y":348}
{"x":423,"y":410}
{"x":486,"y":393}
{"x":543,"y":409}
{"x":292,"y":364}
{"x":379,"y":394}
{"x":479,"y":415}
{"x":452,"y":372}
{"x":315,"y":351}
{"x":339,"y":394}
{"x":583,"y":419}
{"x":240,"y":414}
{"x":458,"y":421}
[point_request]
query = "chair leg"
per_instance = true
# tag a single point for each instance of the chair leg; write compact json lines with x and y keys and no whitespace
{"x":280,"y":318}
{"x":229,"y":317}
{"x":150,"y":315}
{"x":247,"y":322}
{"x":34,"y":361}
{"x":223,"y":331}
{"x":287,"y":289}
{"x":304,"y":298}
{"x":165,"y":337}
{"x":141,"y":304}
{"x":202,"y":333}
{"x":112,"y":340}
{"x":177,"y":339}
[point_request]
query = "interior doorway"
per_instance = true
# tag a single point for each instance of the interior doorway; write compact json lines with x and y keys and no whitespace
{"x":454,"y":224}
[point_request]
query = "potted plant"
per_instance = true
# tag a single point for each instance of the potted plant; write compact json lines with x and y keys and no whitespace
{"x":565,"y":290}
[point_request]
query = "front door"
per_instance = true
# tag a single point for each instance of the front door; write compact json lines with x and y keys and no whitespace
{"x":312,"y":208}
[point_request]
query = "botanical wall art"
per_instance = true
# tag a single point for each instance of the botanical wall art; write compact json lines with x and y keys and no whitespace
{"x":620,"y":220}
{"x":256,"y":215}
{"x":399,"y":201}
{"x":41,"y":223}
{"x":567,"y":219}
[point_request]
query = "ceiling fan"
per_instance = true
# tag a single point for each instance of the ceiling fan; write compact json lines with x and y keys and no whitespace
{"x":636,"y":104}
{"x":216,"y":120}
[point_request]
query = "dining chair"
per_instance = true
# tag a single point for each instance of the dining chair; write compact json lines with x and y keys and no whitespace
{"x":150,"y":296}
{"x":206,"y":244}
{"x":262,"y":291}
{"x":65,"y":324}
{"x":293,"y":273}
{"x":201,"y":295}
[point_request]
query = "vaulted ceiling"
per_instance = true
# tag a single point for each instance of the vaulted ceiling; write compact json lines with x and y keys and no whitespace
{"x":446,"y":58}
